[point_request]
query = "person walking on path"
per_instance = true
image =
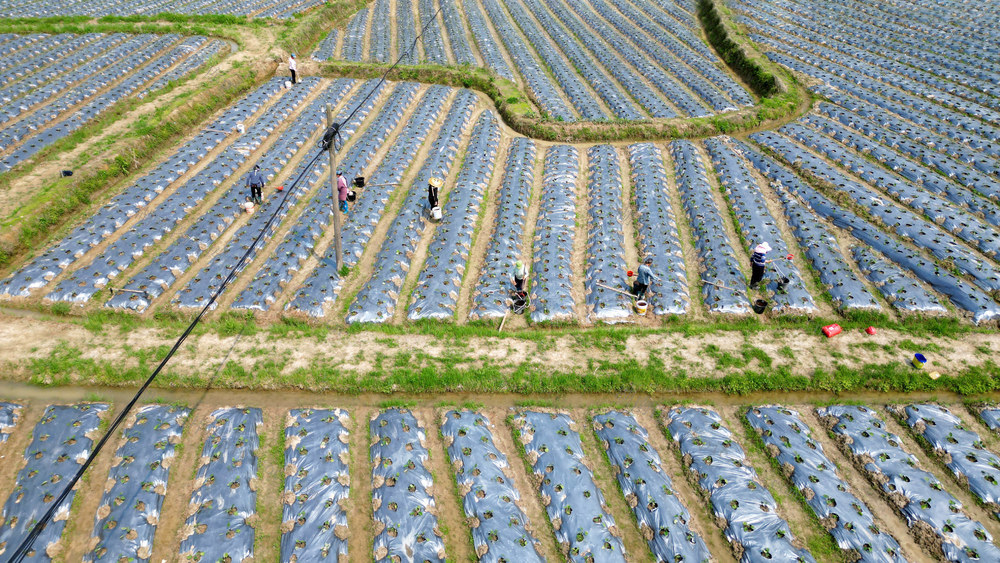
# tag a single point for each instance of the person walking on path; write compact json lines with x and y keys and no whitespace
{"x":758,"y":262}
{"x":292,"y":67}
{"x":432,"y":192}
{"x":643,"y":277}
{"x":255,"y":181}
{"x":518,"y":276}
{"x":342,"y":191}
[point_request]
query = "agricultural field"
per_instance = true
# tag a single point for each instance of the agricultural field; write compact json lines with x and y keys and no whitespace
{"x":386,"y":395}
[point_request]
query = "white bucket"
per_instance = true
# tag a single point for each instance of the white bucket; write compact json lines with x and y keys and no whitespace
{"x":248,"y":206}
{"x":240,"y":128}
{"x":436,"y":213}
{"x":288,"y":84}
{"x":641,"y":306}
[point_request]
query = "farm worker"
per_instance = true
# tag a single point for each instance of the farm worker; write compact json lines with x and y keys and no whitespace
{"x":292,"y":67}
{"x":432,"y":193}
{"x":342,"y":190}
{"x":758,"y":262}
{"x":643,"y":276}
{"x":520,"y":272}
{"x":255,"y":180}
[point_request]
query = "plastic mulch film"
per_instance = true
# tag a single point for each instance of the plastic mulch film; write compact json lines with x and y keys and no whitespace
{"x":962,"y":449}
{"x":663,"y":520}
{"x":378,"y":298}
{"x":991,"y":416}
{"x":489,"y":495}
{"x":582,"y":522}
{"x":757,"y":225}
{"x":299,"y":243}
{"x":406,"y":526}
{"x":120,"y":208}
{"x":656,"y":232}
{"x":605,"y":255}
{"x":727,"y":292}
{"x":895,"y":285}
{"x":164,"y":271}
{"x":317,"y":482}
{"x":552,"y":265}
{"x":225,"y":496}
{"x":746,"y":509}
{"x":964,"y":295}
{"x":845,"y":288}
{"x":903,"y":223}
{"x":10,"y":415}
{"x":935,"y":514}
{"x":847,"y":518}
{"x":61,"y":441}
{"x":436,"y":293}
{"x":325,"y":50}
{"x":129,"y":510}
{"x":489,"y":298}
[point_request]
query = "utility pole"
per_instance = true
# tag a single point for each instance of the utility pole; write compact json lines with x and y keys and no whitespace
{"x":333,"y":186}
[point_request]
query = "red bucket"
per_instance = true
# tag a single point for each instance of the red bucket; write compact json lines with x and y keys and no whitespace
{"x":832,"y":330}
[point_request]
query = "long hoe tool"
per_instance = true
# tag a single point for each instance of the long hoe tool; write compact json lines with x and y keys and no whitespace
{"x":625,"y":293}
{"x":717,"y":285}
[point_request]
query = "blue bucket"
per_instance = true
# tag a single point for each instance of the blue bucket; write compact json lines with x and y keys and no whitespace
{"x":918,"y":361}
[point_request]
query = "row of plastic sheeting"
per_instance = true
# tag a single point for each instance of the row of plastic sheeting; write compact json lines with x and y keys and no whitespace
{"x":663,"y":519}
{"x":60,"y":442}
{"x":963,"y":294}
{"x":602,"y":72}
{"x":962,"y":449}
{"x":574,"y":504}
{"x":282,"y":9}
{"x":454,"y":24}
{"x":406,"y":34}
{"x":207,"y":281}
{"x":489,"y":495}
{"x":171,"y":264}
{"x":353,"y":48}
{"x":378,"y":298}
{"x":381,"y":41}
{"x":918,"y":494}
{"x":949,"y":217}
{"x":756,"y":224}
{"x":317,"y":483}
{"x":746,"y":509}
{"x":37,"y":131}
{"x":198,"y":57}
{"x":300,"y":241}
{"x":573,"y":87}
{"x":120,"y":208}
{"x":10,"y":415}
{"x":845,"y":288}
{"x":406,"y":526}
{"x":225,"y":497}
{"x":605,"y":254}
{"x":656,"y":231}
{"x":436,"y":293}
{"x":129,"y":509}
{"x":555,"y":228}
{"x":490,"y":296}
{"x":899,"y":289}
{"x":543,"y":90}
{"x":845,"y":516}
{"x":430,"y":36}
{"x":725,"y":290}
{"x":489,"y":49}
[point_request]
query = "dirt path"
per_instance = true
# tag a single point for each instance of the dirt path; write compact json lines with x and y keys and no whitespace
{"x":485,"y":231}
{"x":887,"y":518}
{"x":450,"y":514}
{"x":78,"y":536}
{"x":270,"y":485}
{"x":578,"y":259}
{"x":360,"y":517}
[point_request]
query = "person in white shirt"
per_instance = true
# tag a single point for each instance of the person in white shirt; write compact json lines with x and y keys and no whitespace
{"x":292,"y":67}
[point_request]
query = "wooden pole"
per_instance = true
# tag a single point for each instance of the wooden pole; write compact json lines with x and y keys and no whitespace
{"x":333,"y":186}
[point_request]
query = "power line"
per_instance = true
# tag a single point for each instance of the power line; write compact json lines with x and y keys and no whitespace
{"x":330,"y":139}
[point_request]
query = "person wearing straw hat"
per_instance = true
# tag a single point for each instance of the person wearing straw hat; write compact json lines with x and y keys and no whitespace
{"x":643,"y":276}
{"x":758,"y":262}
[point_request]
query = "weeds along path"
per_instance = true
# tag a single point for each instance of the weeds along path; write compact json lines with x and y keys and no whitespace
{"x":692,"y":266}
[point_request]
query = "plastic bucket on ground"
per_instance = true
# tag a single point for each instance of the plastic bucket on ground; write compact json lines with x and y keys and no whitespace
{"x":759,"y":305}
{"x":782,"y":282}
{"x":640,"y":306}
{"x":918,"y":361}
{"x":436,"y":213}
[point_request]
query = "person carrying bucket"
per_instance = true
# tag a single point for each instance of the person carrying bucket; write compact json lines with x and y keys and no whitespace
{"x":342,"y":191}
{"x":758,"y":262}
{"x":643,"y":276}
